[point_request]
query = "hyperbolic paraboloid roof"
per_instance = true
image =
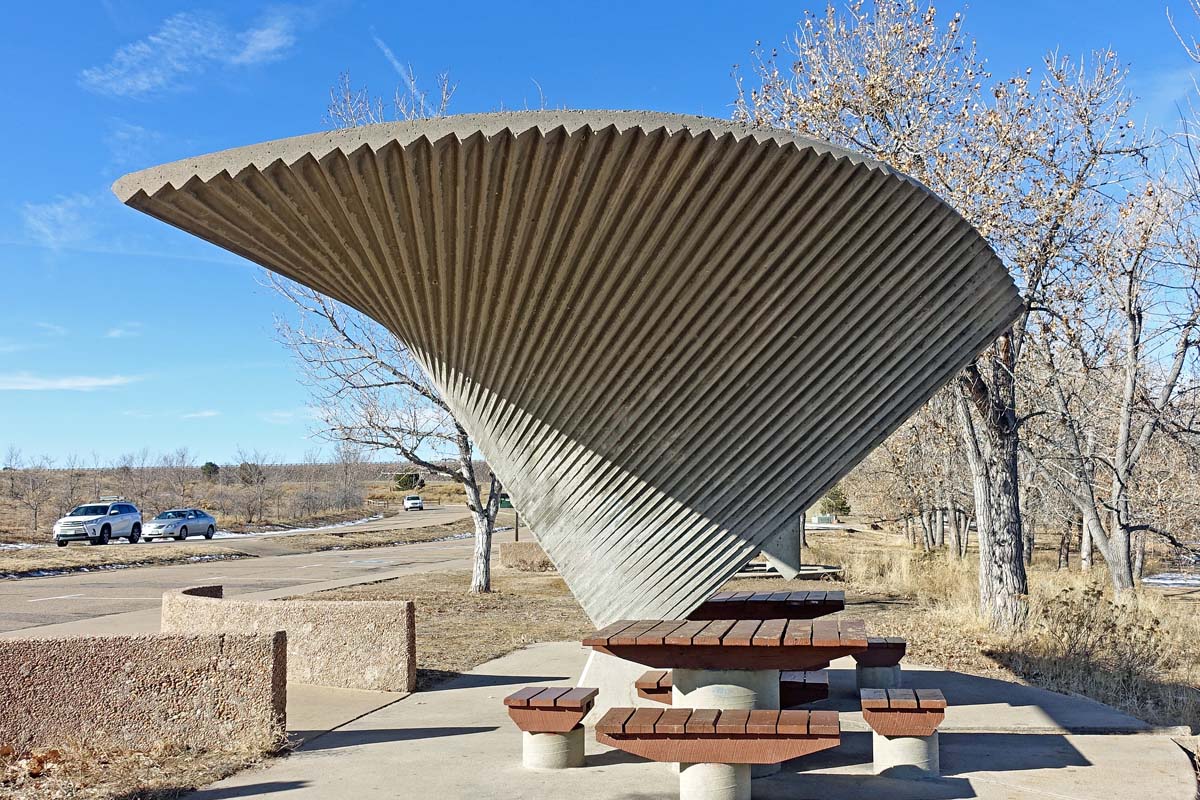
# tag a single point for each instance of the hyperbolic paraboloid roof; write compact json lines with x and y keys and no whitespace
{"x":668,"y":335}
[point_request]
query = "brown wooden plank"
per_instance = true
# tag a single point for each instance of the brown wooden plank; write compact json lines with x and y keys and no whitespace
{"x":703,"y":720}
{"x":762,"y":722}
{"x":760,"y":597}
{"x":873,"y":698}
{"x":826,"y":633}
{"x":798,"y":597}
{"x":520,"y":698}
{"x":770,"y":633}
{"x":901,"y":698}
{"x":665,"y":682}
{"x":742,"y":633}
{"x":720,"y":597}
{"x":793,"y":723}
{"x":649,"y":680}
{"x":824,"y":723}
{"x":684,"y":633}
{"x":836,"y":597}
{"x":799,"y":633}
{"x":613,"y":720}
{"x":673,"y":721}
{"x":854,"y":630}
{"x":579,"y":697}
{"x":817,"y":598}
{"x":930,"y":698}
{"x":643,"y":720}
{"x":630,"y":634}
{"x":656,"y":634}
{"x":739,"y":597}
{"x":713,"y":632}
{"x":600,"y":638}
{"x":816,"y":676}
{"x":733,"y":720}
{"x":547,"y":698}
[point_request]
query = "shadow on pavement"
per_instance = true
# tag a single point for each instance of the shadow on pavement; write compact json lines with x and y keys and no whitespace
{"x":429,"y":680}
{"x":344,"y":738}
{"x":252,"y":790}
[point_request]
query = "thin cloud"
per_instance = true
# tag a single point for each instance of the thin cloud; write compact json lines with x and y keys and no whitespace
{"x":205,"y":414}
{"x":28,"y":382}
{"x":279,"y":417}
{"x":61,"y":222}
{"x":188,"y":44}
{"x":11,"y":346}
{"x":51,"y":329}
{"x":390,"y":56}
{"x":124,"y":331}
{"x":129,"y":143}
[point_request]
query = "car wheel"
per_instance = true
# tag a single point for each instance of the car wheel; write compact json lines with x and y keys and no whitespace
{"x":61,"y":543}
{"x":208,"y":534}
{"x":182,"y":534}
{"x":105,"y":533}
{"x":135,"y":535}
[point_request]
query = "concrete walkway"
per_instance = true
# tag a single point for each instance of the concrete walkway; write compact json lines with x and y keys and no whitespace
{"x":1000,"y":741}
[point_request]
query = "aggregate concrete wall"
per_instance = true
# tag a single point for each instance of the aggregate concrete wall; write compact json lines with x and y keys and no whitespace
{"x":666,"y":334}
{"x":135,"y":692}
{"x":351,"y":644}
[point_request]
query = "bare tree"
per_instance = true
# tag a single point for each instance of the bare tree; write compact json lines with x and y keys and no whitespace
{"x":258,"y":481}
{"x":182,"y":475}
{"x":30,"y":485}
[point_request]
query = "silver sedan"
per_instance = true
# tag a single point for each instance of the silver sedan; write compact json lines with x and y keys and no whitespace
{"x":180,"y":523}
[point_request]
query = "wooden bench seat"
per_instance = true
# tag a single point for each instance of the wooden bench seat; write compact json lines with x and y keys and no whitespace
{"x":540,"y":709}
{"x":769,"y":605}
{"x":903,"y":712}
{"x":799,"y":687}
{"x":881,"y":652}
{"x":711,"y":736}
{"x":655,"y":685}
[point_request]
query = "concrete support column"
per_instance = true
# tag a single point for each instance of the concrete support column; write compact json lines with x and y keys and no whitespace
{"x":728,"y":689}
{"x":714,"y":782}
{"x":614,"y":677}
{"x":906,"y":756}
{"x":783,"y":551}
{"x":552,"y":750}
{"x":877,"y":677}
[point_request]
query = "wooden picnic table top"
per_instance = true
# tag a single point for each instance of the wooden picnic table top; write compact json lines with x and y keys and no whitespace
{"x":750,"y":644}
{"x":769,"y":605}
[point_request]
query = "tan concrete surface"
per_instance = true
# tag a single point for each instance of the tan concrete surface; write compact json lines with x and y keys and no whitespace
{"x":314,"y":710}
{"x":458,"y":742}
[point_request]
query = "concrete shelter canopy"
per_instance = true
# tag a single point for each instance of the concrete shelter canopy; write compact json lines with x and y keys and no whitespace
{"x":668,"y":335}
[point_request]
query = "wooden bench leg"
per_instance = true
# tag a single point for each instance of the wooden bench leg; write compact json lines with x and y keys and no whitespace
{"x":552,"y":750}
{"x":714,"y":782}
{"x":877,"y":677}
{"x":901,"y":756}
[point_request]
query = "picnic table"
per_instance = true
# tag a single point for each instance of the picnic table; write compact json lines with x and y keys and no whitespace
{"x":769,"y":605}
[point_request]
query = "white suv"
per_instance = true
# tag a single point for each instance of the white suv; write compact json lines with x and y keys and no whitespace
{"x":98,"y":522}
{"x":414,"y":503}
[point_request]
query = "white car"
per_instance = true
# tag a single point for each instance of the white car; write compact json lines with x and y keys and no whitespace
{"x":180,"y":523}
{"x":98,"y":522}
{"x":414,"y":503}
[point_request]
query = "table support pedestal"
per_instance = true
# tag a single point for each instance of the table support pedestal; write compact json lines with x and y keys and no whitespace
{"x":714,"y":782}
{"x":552,"y":750}
{"x":614,"y":677}
{"x":877,"y":677}
{"x":905,"y":756}
{"x":727,"y":689}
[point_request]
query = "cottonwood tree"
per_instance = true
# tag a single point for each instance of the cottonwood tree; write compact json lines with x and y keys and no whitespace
{"x":179,"y":469}
{"x":1020,"y":158}
{"x":30,"y":484}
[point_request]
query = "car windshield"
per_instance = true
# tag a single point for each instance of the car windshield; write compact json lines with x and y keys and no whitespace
{"x":88,"y":511}
{"x":172,"y":515}
{"x":413,"y":497}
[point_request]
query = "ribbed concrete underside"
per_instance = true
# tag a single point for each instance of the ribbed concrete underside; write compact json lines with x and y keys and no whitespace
{"x":667,"y":335}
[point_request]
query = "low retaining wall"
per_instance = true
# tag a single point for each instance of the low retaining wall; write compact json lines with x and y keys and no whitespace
{"x":139,"y":691}
{"x":525,"y":556}
{"x":353,"y":644}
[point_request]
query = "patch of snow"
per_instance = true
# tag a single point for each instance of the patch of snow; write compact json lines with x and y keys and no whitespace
{"x":1173,"y":579}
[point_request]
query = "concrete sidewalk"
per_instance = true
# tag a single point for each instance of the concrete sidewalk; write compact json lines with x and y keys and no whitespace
{"x":1000,"y":741}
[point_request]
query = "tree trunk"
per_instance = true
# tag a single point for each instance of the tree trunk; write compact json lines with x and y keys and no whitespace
{"x":1085,"y":547}
{"x":1027,"y":534}
{"x":1139,"y":555}
{"x":484,"y":516}
{"x":939,"y":535}
{"x":1064,"y":545}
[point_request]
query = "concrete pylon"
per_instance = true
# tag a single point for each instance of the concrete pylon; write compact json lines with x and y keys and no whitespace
{"x":786,"y":551}
{"x":664,"y":333}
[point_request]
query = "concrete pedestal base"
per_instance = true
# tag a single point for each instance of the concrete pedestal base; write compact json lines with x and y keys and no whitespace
{"x":614,"y":677}
{"x":903,"y":756}
{"x":877,"y":677}
{"x":714,"y":782}
{"x":552,"y":750}
{"x":727,"y":689}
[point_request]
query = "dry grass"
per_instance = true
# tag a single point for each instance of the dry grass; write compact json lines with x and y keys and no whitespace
{"x":15,"y":563}
{"x":457,"y":631}
{"x":84,"y":773}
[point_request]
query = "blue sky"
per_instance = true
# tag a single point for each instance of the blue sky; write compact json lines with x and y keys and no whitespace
{"x":120,"y":333}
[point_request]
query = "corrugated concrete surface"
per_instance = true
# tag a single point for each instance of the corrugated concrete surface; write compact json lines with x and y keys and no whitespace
{"x":668,"y":335}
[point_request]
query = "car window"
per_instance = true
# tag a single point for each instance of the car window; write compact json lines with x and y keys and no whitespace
{"x":88,"y":511}
{"x":128,"y":509}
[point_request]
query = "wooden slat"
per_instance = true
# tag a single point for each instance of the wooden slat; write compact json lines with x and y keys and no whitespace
{"x":793,"y":722}
{"x":780,"y":597}
{"x":732,"y":721}
{"x":614,"y":720}
{"x":770,"y":633}
{"x":799,"y":633}
{"x":930,"y":698}
{"x":817,"y":597}
{"x":854,"y":633}
{"x":520,"y":698}
{"x":656,"y":634}
{"x":742,"y":633}
{"x":684,"y":633}
{"x":901,"y":698}
{"x":643,"y":720}
{"x":664,"y":680}
{"x":739,"y":597}
{"x":673,"y":721}
{"x":703,"y":720}
{"x":760,"y":597}
{"x":836,"y":597}
{"x":720,"y":597}
{"x":713,"y":631}
{"x":873,"y":698}
{"x":649,"y":680}
{"x":576,"y":698}
{"x":630,"y":634}
{"x":824,"y":723}
{"x":825,"y":633}
{"x":547,"y":698}
{"x":600,"y":638}
{"x":762,"y":721}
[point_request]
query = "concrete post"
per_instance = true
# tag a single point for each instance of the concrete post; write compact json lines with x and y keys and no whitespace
{"x":906,"y":756}
{"x":728,"y":689}
{"x":783,"y":551}
{"x":714,"y":782}
{"x":614,"y":677}
{"x":877,"y":677}
{"x":552,"y":750}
